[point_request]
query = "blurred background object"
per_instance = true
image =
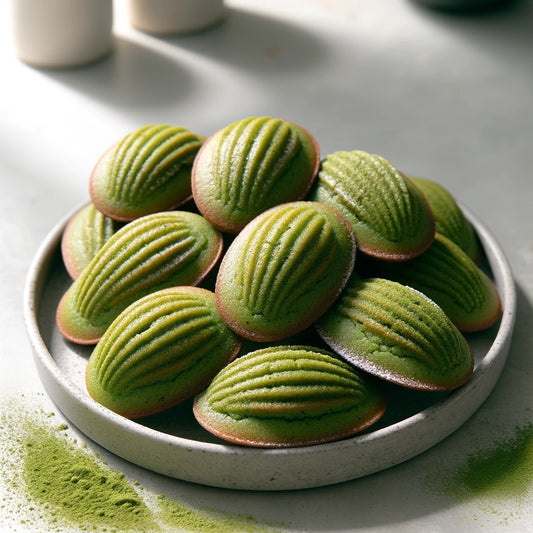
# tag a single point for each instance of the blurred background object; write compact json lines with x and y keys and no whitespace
{"x":463,"y":5}
{"x":62,"y":33}
{"x":174,"y":16}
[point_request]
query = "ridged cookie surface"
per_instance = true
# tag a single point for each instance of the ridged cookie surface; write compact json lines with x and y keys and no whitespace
{"x":85,"y":233}
{"x":450,"y":220}
{"x":284,"y":270}
{"x":159,"y":351}
{"x":250,"y":166}
{"x":389,"y":216}
{"x":147,"y":171}
{"x":288,"y":396}
{"x":446,"y":274}
{"x":148,"y":254}
{"x":398,"y":334}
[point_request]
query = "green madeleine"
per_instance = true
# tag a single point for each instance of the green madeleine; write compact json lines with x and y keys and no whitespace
{"x":147,"y":171}
{"x":85,"y":234}
{"x":395,"y":332}
{"x":449,"y":218}
{"x":150,"y":253}
{"x":250,"y":166}
{"x":284,"y":270}
{"x":289,"y":396}
{"x":446,"y":274}
{"x":389,"y":216}
{"x":159,"y":351}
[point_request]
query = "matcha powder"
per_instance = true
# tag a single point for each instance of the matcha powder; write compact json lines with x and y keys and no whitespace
{"x":52,"y":483}
{"x":504,"y":470}
{"x":74,"y":486}
{"x":492,"y":477}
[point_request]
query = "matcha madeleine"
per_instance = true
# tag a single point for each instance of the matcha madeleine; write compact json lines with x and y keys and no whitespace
{"x":397,"y":333}
{"x":160,"y":351}
{"x":147,"y":171}
{"x":289,"y":396}
{"x":250,"y":166}
{"x":446,"y":274}
{"x":284,"y":269}
{"x":449,"y":218}
{"x":148,"y":254}
{"x":390,"y":217}
{"x":85,"y":233}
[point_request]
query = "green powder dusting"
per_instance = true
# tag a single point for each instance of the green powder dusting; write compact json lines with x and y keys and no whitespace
{"x":79,"y":488}
{"x":504,"y":470}
{"x":49,"y":482}
{"x":207,"y":521}
{"x":56,"y":484}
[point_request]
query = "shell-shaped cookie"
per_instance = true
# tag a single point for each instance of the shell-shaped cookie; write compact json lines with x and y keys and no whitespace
{"x":389,"y":216}
{"x":450,"y":220}
{"x":150,"y":253}
{"x":250,"y":166}
{"x":288,"y":396}
{"x":147,"y":171}
{"x":452,"y":280}
{"x":397,"y":333}
{"x":160,"y":351}
{"x":284,"y":270}
{"x":85,"y":233}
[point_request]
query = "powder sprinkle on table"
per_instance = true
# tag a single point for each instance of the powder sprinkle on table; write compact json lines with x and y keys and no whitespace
{"x":497,"y":479}
{"x":504,"y":470}
{"x":50,"y":482}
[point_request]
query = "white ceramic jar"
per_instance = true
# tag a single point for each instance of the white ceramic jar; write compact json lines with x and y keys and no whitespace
{"x":164,"y":17}
{"x":61,"y":33}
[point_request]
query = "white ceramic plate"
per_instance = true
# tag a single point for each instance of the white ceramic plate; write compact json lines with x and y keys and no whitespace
{"x":172,"y":443}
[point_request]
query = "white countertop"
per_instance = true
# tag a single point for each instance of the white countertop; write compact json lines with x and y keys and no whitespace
{"x":448,"y":97}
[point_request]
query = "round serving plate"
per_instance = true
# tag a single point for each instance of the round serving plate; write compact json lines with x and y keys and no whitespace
{"x":174,"y":444}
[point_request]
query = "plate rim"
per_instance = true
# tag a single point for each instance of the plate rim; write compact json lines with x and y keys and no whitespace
{"x":168,"y":451}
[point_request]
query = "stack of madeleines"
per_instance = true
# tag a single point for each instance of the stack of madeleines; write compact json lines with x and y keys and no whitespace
{"x":276,"y":290}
